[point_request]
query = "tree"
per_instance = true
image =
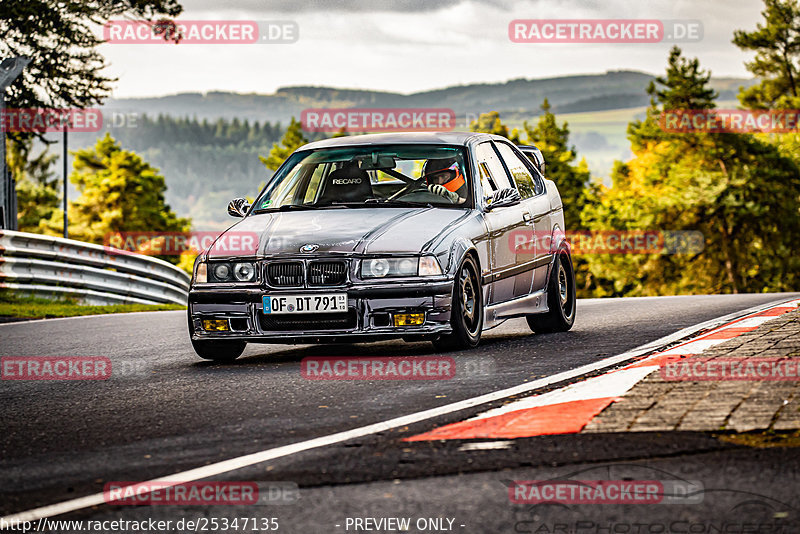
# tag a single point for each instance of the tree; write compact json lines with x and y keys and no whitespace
{"x":292,"y":140}
{"x":776,"y":43}
{"x":685,"y":85}
{"x":120,"y":192}
{"x":574,"y":181}
{"x":489,"y":123}
{"x":59,"y":38}
{"x":739,"y":192}
{"x":36,"y":184}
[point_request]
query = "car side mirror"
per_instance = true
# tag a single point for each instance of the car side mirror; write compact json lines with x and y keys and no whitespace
{"x":502,"y":198}
{"x":238,"y":207}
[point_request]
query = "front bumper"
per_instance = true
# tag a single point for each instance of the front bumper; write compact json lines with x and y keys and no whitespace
{"x":369,"y":316}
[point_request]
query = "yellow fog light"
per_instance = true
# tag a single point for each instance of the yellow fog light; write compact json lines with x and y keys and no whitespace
{"x":215,"y":325}
{"x":409,"y":319}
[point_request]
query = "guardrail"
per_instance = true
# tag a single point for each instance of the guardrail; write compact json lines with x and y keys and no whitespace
{"x":46,"y":266}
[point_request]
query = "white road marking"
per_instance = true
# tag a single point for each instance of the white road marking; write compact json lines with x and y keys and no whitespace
{"x":240,"y":462}
{"x":485,"y":446}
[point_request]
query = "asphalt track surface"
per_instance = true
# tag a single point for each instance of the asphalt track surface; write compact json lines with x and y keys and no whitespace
{"x":164,"y":411}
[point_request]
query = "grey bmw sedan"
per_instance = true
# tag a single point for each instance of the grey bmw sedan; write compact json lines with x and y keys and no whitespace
{"x":419,"y":236}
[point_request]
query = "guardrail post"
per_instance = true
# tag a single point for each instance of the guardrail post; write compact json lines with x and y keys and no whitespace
{"x":10,"y":69}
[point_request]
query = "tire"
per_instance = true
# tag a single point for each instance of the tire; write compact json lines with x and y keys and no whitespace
{"x":466,"y":314}
{"x":560,"y":299}
{"x":219,"y":351}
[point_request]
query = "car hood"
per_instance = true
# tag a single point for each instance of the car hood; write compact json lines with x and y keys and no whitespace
{"x":343,"y":230}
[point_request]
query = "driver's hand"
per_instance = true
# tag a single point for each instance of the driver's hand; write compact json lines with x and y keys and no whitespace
{"x":440,"y":190}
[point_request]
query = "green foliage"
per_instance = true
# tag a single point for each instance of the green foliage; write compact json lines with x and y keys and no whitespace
{"x":489,"y":123}
{"x":120,"y":192}
{"x":776,"y":43}
{"x":740,"y":192}
{"x":292,"y":140}
{"x":206,"y":162}
{"x":61,"y":40}
{"x":685,"y":85}
{"x":37,"y":186}
{"x":573,"y":181}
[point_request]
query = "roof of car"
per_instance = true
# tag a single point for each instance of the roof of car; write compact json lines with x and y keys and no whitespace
{"x":445,"y":138}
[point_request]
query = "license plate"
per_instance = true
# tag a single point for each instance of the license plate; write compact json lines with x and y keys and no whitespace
{"x":325,"y":303}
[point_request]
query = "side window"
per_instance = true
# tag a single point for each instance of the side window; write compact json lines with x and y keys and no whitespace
{"x":491,"y":168}
{"x":522,"y":176}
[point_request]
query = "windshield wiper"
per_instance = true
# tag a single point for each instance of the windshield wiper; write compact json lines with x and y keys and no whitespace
{"x":294,"y":207}
{"x":404,"y":203}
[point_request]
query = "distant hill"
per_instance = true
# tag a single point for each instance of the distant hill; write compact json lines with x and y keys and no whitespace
{"x":567,"y":94}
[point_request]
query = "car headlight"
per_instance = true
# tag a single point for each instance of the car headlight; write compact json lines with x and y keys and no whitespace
{"x":397,"y":267}
{"x":222,"y":271}
{"x":201,"y":273}
{"x":244,"y":272}
{"x":231,"y":272}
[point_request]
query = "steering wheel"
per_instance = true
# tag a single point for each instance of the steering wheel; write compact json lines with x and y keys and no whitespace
{"x":411,"y":187}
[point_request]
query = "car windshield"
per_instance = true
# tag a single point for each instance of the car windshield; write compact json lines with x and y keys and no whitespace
{"x":386,"y":175}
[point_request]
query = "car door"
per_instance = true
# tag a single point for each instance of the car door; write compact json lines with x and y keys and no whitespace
{"x":504,"y":278}
{"x":534,"y":255}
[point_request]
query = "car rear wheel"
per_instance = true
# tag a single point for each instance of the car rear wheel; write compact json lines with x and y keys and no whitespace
{"x":466,"y":314}
{"x":219,"y":351}
{"x":560,"y":299}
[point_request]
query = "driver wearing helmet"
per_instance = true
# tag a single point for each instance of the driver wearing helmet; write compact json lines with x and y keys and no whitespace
{"x":450,"y":185}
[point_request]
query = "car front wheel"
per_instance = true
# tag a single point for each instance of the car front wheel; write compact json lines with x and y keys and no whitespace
{"x":466,"y":313}
{"x":219,"y":351}
{"x":560,"y":299}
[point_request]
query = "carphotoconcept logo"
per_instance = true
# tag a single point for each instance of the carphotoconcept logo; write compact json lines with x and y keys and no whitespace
{"x":55,"y":367}
{"x":378,"y":368}
{"x":378,"y":119}
{"x":201,"y":32}
{"x":730,"y":121}
{"x":604,"y":31}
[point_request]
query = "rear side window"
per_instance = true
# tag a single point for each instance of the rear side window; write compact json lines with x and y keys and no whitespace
{"x":519,"y":171}
{"x":491,"y":168}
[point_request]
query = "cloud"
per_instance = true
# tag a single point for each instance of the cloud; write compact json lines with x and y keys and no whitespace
{"x":353,"y":6}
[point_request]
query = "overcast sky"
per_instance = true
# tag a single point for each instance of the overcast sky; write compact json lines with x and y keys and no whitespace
{"x":413,"y":45}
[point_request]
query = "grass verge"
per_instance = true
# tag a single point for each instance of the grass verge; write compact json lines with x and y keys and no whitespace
{"x":16,"y":307}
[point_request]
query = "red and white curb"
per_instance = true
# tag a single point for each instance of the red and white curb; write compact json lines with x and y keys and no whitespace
{"x":569,"y":409}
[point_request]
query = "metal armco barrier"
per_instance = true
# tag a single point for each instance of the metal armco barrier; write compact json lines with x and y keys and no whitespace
{"x":48,"y":267}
